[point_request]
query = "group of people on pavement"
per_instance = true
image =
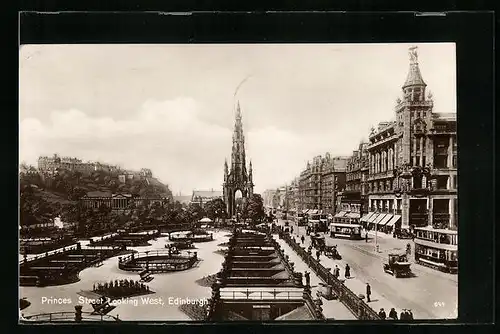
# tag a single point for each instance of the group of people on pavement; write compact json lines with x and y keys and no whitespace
{"x":393,"y":315}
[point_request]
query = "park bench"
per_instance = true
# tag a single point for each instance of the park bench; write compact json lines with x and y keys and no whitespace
{"x":47,"y":268}
{"x":67,"y":261}
{"x":102,"y":308}
{"x":146,"y":276}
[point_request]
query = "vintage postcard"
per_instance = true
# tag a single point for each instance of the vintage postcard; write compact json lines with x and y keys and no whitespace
{"x":236,"y":182}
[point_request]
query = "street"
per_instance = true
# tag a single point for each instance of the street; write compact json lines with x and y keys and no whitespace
{"x":430,"y":294}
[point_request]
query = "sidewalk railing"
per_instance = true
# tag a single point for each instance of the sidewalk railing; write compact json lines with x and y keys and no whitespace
{"x":357,"y":306}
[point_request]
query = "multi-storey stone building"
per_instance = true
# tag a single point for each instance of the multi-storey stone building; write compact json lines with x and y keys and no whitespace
{"x":353,"y":200}
{"x":50,"y":165}
{"x":412,"y":178}
{"x":320,"y":182}
{"x":202,"y":197}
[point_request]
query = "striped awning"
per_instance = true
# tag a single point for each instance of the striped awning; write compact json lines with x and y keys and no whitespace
{"x":379,"y":218}
{"x":339,"y":214}
{"x":393,"y":220}
{"x":385,"y":220}
{"x":373,"y":217}
{"x":366,"y":217}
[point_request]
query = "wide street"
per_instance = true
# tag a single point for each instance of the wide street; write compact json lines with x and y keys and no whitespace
{"x":430,"y":294}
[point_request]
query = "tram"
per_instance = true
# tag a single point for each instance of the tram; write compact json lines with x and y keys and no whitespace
{"x":351,"y":231}
{"x":318,"y":222}
{"x":437,"y":248}
{"x":301,"y":219}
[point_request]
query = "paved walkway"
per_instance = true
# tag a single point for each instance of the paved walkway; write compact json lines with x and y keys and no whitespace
{"x":354,"y":284}
{"x":332,"y":309}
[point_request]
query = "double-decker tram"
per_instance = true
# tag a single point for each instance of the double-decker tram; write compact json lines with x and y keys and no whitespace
{"x":318,"y":222}
{"x":351,"y":231}
{"x":437,"y":248}
{"x":301,"y":219}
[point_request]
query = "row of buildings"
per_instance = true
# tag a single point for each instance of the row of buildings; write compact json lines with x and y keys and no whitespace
{"x":51,"y":165}
{"x":404,"y":176}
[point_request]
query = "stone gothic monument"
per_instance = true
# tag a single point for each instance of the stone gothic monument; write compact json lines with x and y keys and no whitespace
{"x":237,"y":178}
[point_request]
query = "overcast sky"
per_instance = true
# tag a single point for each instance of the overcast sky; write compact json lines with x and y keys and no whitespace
{"x":171,"y":107}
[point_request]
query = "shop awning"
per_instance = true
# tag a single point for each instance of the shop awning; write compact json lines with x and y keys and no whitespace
{"x":373,"y":217}
{"x":379,"y":218}
{"x":353,"y":215}
{"x":385,"y":220}
{"x":339,"y":214}
{"x":366,"y":217}
{"x":393,"y":220}
{"x":313,"y":212}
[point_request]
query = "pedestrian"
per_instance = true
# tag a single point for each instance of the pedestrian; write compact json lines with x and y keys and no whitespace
{"x":337,"y":271}
{"x":291,"y":230}
{"x":368,"y":292}
{"x":318,"y":253}
{"x":347,"y":271}
{"x":382,"y":314}
{"x":393,"y":314}
{"x":302,"y":239}
{"x":402,"y":315}
{"x":366,"y":236}
{"x":410,"y":315}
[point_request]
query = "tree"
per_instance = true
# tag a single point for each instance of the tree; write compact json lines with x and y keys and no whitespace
{"x":215,"y":208}
{"x":255,"y":208}
{"x":196,"y":211}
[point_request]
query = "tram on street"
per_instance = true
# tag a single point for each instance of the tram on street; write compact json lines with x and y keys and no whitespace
{"x":318,"y":222}
{"x":437,"y":248}
{"x":301,"y":219}
{"x":351,"y":231}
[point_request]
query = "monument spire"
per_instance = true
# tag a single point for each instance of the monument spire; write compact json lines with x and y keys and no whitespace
{"x":238,"y":178}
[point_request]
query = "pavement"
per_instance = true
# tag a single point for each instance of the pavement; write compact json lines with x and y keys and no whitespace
{"x":430,"y":294}
{"x":332,"y":309}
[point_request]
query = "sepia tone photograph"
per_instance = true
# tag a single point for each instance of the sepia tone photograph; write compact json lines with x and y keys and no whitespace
{"x":238,"y":182}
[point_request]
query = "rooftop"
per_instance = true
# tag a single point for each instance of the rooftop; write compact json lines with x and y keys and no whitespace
{"x":207,"y":193}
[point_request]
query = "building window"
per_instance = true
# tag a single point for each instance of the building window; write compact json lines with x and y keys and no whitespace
{"x":417,"y":182}
{"x":442,"y":182}
{"x":440,"y":161}
{"x":454,"y":178}
{"x":455,"y":161}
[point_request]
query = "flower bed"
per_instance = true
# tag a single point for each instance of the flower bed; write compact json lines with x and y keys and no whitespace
{"x":194,"y":311}
{"x":207,"y":281}
{"x":122,"y":288}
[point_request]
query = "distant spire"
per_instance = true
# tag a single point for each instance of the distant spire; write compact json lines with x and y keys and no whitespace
{"x":414,"y":77}
{"x":238,"y":111}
